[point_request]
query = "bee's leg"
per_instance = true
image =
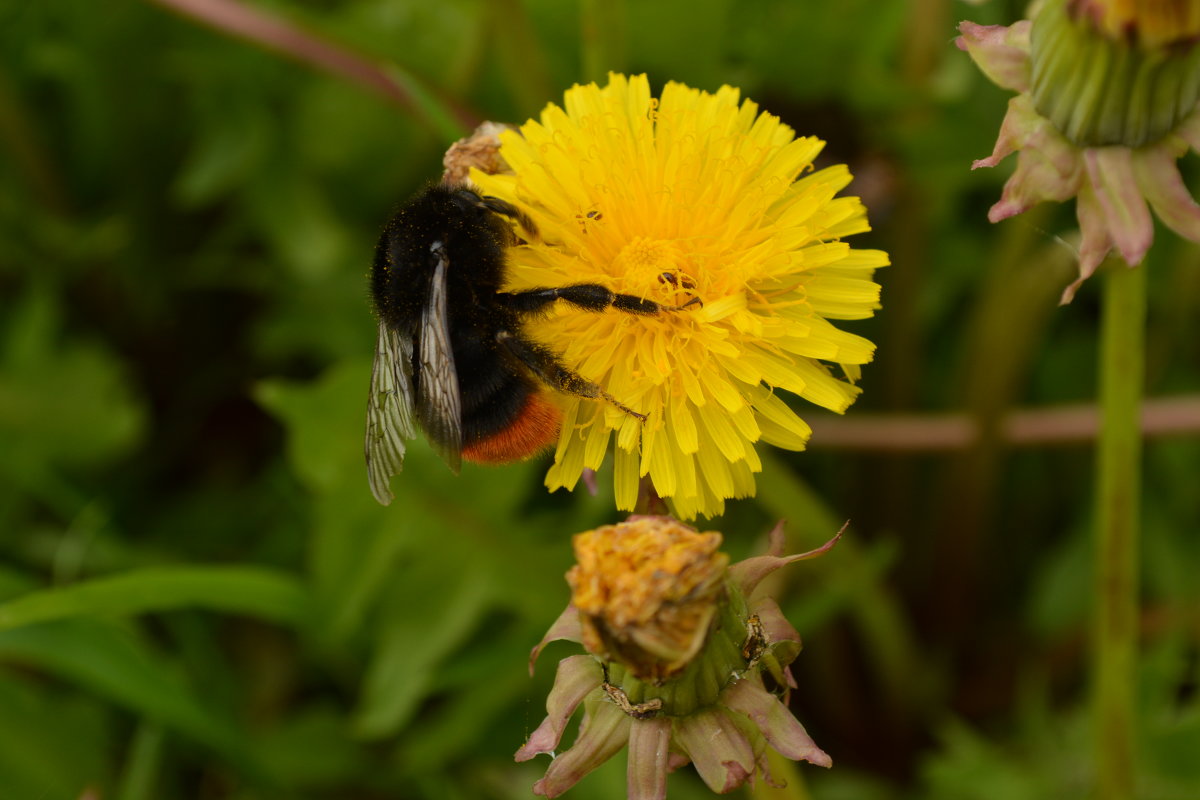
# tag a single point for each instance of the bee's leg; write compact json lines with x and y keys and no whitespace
{"x":502,"y":207}
{"x":543,"y":363}
{"x":498,"y":206}
{"x":589,"y":296}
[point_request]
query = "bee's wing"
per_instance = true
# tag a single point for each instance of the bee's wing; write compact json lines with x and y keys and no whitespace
{"x":389,"y":410}
{"x":439,"y":407}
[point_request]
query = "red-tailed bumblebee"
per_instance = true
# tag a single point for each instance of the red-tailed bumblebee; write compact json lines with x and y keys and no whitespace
{"x":451,"y":354}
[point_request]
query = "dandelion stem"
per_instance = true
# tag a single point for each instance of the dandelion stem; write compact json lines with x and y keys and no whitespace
{"x":1114,"y":650}
{"x":648,"y":501}
{"x":603,"y":37}
{"x":143,"y":763}
{"x":274,"y":32}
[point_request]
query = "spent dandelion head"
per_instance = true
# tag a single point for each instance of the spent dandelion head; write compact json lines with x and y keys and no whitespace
{"x":697,"y":202}
{"x":678,"y":642}
{"x":1108,"y":101}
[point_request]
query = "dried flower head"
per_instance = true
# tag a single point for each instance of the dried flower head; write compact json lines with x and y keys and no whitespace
{"x":479,"y":151}
{"x":695,"y":201}
{"x":678,"y":643}
{"x":647,"y":592}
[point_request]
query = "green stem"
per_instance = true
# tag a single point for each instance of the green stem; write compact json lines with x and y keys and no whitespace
{"x":143,"y":763}
{"x":602,"y":38}
{"x":648,"y":501}
{"x":925,"y":38}
{"x":1115,"y":631}
{"x":522,"y":55}
{"x":267,"y":30}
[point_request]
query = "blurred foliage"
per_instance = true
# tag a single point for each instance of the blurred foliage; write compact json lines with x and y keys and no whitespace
{"x":200,"y":599}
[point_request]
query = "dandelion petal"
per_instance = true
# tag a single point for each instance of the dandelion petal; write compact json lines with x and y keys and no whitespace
{"x":604,"y":733}
{"x":567,"y":627}
{"x":577,"y":676}
{"x":1110,"y":170}
{"x":1159,"y":179}
{"x":1018,"y":122}
{"x":649,"y":751}
{"x":1096,"y":242}
{"x":748,"y":573}
{"x":783,"y":731}
{"x":774,"y":623}
{"x":776,"y":540}
{"x":1001,"y":52}
{"x":1033,"y":182}
{"x":1189,"y":131}
{"x":721,"y":752}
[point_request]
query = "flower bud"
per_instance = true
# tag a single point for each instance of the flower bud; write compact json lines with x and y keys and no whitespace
{"x":678,"y":643}
{"x":1109,"y":99}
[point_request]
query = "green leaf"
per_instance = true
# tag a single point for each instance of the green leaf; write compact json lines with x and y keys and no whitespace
{"x":481,"y":704}
{"x":221,"y":156}
{"x":432,"y":607}
{"x":59,"y":403}
{"x":356,"y":541}
{"x":113,"y":663}
{"x":299,"y":222}
{"x":886,"y":634}
{"x":1061,"y":585}
{"x":325,"y":420}
{"x":313,"y":749}
{"x":253,"y":591}
{"x":52,"y":745}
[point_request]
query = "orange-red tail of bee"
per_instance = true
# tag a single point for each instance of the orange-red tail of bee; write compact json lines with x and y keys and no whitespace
{"x":534,"y":429}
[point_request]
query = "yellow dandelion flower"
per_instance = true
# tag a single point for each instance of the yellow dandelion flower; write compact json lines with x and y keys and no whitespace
{"x":696,"y":202}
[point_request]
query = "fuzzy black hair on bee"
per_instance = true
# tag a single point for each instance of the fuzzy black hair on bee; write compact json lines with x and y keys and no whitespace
{"x":452,"y":356}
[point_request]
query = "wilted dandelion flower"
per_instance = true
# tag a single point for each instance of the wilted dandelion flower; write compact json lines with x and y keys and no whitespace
{"x":677,"y":642}
{"x":695,"y":202}
{"x":1109,"y":99}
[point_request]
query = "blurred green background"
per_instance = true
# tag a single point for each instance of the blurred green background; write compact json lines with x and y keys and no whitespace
{"x":200,"y":598}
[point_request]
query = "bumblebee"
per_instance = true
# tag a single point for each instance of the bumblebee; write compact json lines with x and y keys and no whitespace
{"x":451,"y":355}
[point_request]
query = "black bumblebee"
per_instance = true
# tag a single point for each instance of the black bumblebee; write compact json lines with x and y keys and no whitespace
{"x":451,"y":354}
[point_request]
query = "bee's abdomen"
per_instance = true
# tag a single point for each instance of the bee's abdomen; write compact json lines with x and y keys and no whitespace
{"x":532,"y":429}
{"x":505,"y":416}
